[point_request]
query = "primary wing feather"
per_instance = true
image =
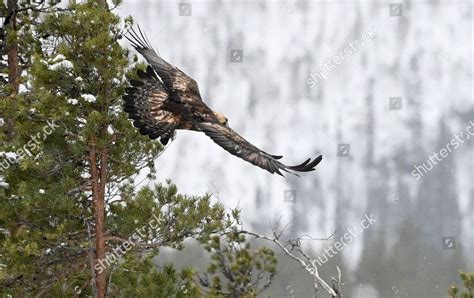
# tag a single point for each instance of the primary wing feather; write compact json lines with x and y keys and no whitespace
{"x":180,"y":85}
{"x":232,"y":142}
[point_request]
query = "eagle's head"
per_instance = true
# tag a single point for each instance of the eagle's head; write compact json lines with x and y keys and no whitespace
{"x":221,"y":118}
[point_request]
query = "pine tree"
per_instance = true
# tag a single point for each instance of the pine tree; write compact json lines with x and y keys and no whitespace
{"x":16,"y":44}
{"x":236,"y":270}
{"x":76,"y":217}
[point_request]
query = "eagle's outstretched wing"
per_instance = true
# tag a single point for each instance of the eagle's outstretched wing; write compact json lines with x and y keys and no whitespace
{"x":165,"y":98}
{"x":144,"y":103}
{"x":231,"y":141}
{"x":179,"y":85}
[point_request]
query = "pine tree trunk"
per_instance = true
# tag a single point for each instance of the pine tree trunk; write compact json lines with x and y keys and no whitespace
{"x":99,"y":179}
{"x":12,"y":47}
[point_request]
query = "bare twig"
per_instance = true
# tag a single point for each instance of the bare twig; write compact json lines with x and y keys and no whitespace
{"x":309,"y":264}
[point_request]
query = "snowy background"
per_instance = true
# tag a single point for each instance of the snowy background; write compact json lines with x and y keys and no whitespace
{"x":422,"y":54}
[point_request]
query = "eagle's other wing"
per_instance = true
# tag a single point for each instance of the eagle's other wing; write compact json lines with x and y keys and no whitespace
{"x":180,"y":86}
{"x":144,"y":103}
{"x":235,"y":144}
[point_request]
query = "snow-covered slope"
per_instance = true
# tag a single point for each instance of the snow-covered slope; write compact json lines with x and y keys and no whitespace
{"x":424,"y":56}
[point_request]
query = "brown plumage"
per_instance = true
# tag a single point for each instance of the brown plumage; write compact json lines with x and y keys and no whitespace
{"x":166,"y":99}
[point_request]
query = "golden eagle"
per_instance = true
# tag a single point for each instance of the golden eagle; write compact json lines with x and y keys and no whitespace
{"x":166,"y":99}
